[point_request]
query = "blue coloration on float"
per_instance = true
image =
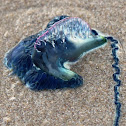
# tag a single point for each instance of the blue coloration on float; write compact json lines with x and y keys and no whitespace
{"x":39,"y":59}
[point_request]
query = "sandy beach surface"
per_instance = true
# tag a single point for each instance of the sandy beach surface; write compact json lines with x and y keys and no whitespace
{"x":89,"y":105}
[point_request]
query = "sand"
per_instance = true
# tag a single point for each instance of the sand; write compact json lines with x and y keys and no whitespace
{"x":89,"y":105}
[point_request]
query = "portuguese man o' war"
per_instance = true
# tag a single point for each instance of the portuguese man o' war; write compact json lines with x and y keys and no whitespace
{"x":41,"y":61}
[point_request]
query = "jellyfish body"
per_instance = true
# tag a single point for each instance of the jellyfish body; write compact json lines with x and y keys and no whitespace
{"x":39,"y":59}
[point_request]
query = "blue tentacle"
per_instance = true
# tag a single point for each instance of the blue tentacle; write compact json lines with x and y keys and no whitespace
{"x":115,"y":48}
{"x":115,"y":78}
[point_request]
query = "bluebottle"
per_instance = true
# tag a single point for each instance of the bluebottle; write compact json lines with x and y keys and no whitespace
{"x":41,"y":61}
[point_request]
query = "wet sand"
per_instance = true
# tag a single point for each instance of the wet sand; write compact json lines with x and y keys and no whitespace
{"x":89,"y":105}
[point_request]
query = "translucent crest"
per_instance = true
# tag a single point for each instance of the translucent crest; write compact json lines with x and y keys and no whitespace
{"x":68,"y":27}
